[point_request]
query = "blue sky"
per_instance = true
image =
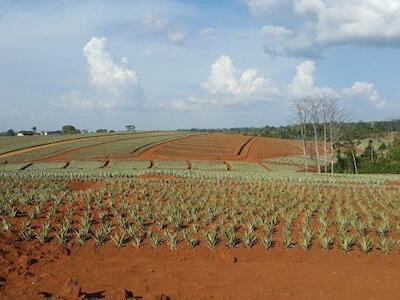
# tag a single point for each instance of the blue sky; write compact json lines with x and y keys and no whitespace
{"x":164,"y":64}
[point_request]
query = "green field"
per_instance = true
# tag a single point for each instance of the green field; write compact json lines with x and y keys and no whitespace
{"x":83,"y":147}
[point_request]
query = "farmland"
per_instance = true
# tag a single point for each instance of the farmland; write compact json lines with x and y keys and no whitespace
{"x":131,"y":214}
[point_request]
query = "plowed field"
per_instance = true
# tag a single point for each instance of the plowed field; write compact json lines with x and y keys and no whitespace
{"x":223,"y":147}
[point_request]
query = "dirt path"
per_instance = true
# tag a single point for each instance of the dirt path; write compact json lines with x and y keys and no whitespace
{"x":241,"y":149}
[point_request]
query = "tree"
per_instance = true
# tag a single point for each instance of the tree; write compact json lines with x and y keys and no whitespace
{"x":130,"y":128}
{"x":34,"y":129}
{"x":10,"y":132}
{"x":69,"y":129}
{"x":314,"y":110}
{"x":300,"y":115}
{"x":333,"y":114}
{"x":349,"y":143}
{"x":101,"y":130}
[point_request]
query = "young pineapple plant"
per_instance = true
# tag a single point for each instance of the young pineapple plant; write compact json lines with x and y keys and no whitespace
{"x":211,"y":237}
{"x":62,"y":234}
{"x":26,"y":231}
{"x":267,"y":238}
{"x":137,"y":239}
{"x":5,"y":225}
{"x":287,"y":237}
{"x":365,"y":244}
{"x":306,"y":239}
{"x":230,"y":237}
{"x":119,"y":239}
{"x":154,"y":239}
{"x":33,"y":214}
{"x":249,"y":239}
{"x":99,"y":237}
{"x":13,"y":212}
{"x":346,"y":242}
{"x":383,"y":228}
{"x":326,"y":241}
{"x":171,"y":238}
{"x":385,"y":245}
{"x":43,"y":234}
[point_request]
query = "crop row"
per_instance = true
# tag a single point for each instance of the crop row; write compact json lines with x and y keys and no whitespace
{"x":103,"y":144}
{"x":134,"y":165}
{"x":204,"y":212}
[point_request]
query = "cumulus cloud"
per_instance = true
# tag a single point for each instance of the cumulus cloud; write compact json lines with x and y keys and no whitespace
{"x":303,"y":81}
{"x":225,"y":79}
{"x":303,"y":84}
{"x":116,"y":82}
{"x":364,"y":90}
{"x":112,"y":84}
{"x":227,"y":86}
{"x":328,"y":23}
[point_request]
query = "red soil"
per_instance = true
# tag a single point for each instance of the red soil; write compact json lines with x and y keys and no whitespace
{"x":67,"y":154}
{"x":222,"y":147}
{"x":200,"y":147}
{"x":74,"y":186}
{"x":195,"y":274}
{"x":263,"y":148}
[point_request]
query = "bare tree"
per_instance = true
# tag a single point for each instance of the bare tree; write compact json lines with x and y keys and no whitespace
{"x":314,"y":108}
{"x":319,"y":110}
{"x":335,"y":115}
{"x":300,"y":114}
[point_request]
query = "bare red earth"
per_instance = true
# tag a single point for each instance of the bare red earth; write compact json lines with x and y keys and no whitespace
{"x":222,"y":147}
{"x":198,"y":274}
{"x":75,"y":186}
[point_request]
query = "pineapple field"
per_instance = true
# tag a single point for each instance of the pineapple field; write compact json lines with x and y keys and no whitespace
{"x":173,"y":215}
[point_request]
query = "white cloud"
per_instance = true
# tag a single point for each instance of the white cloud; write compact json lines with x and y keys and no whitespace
{"x":115,"y":82}
{"x":207,"y":31}
{"x":321,"y":24}
{"x":153,"y":22}
{"x":276,"y":37}
{"x":303,"y":81}
{"x":177,"y":37}
{"x":227,"y":86}
{"x":224,"y":79}
{"x":364,"y":90}
{"x":303,"y":84}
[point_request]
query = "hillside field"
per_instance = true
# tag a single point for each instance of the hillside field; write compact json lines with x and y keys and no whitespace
{"x":177,"y":215}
